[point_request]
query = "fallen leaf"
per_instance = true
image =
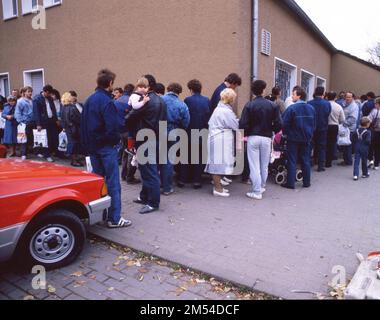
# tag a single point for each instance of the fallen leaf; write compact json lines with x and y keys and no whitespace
{"x":28,"y":298}
{"x":142,"y":270}
{"x":116,"y":263}
{"x":111,"y":289}
{"x":200,"y":281}
{"x":138,"y":264}
{"x":93,"y":277}
{"x":51,"y":289}
{"x":130,"y":263}
{"x":79,"y":283}
{"x":162,"y":263}
{"x":141,"y":277}
{"x":77,"y":274}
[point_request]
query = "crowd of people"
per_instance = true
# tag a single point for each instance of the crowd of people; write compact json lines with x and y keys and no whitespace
{"x":106,"y":127}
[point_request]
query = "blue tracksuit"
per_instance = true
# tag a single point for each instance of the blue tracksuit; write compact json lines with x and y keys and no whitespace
{"x":361,"y":142}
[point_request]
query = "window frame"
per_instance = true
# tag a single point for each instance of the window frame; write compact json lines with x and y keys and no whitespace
{"x":294,"y":72}
{"x":324,"y":80}
{"x":52,"y":5}
{"x":25,"y":72}
{"x":10,"y":17}
{"x":9,"y":83}
{"x":313,"y":77}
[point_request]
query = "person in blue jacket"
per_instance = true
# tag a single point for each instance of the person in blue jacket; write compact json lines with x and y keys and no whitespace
{"x":322,"y":112}
{"x":10,"y":130}
{"x":100,"y":135}
{"x":299,"y":127}
{"x":232,"y":81}
{"x":178,"y":117}
{"x":199,"y":110}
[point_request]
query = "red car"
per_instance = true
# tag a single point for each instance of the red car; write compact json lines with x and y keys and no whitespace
{"x":43,"y":211}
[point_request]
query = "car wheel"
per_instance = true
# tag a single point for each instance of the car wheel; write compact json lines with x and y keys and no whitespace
{"x":53,"y":240}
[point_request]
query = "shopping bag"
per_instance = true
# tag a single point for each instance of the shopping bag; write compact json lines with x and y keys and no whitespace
{"x":344,"y":136}
{"x":62,"y":146}
{"x":21,"y":134}
{"x":40,"y":139}
{"x":89,"y":165}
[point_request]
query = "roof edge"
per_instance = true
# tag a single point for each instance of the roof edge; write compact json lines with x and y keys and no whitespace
{"x":367,"y":63}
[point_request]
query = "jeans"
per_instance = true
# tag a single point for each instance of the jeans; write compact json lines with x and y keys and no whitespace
{"x":376,"y":147}
{"x":320,"y":142}
{"x":191,"y":172}
{"x":361,"y":155}
{"x":29,"y":135}
{"x":150,"y":193}
{"x":301,"y":151}
{"x":246,"y":172}
{"x":347,"y":152}
{"x":332,"y":138}
{"x":259,"y":150}
{"x":105,"y":163}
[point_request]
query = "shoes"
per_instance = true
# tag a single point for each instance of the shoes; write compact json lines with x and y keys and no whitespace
{"x":321,"y":170}
{"x":23,"y":158}
{"x":263,"y":190}
{"x":328,"y":166}
{"x":123,"y":223}
{"x":76,"y":164}
{"x":248,"y":182}
{"x":306,"y":186}
{"x":223,"y":194}
{"x":255,"y":196}
{"x":376,"y":168}
{"x":180,"y":184}
{"x":225,"y":179}
{"x":371,"y":164}
{"x":365,"y":176}
{"x":148,"y":209}
{"x":168,"y":193}
{"x":49,"y":159}
{"x":40,"y":156}
{"x":133,"y":181}
{"x":223,"y":183}
{"x":356,"y":178}
{"x":139,"y":201}
{"x":288,"y":187}
{"x":197,"y":186}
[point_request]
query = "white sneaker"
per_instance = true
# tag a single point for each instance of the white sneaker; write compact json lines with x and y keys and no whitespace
{"x":49,"y":159}
{"x":371,"y":164}
{"x":221,"y":194}
{"x":356,"y":178}
{"x":222,"y":182}
{"x":255,"y":196}
{"x":41,"y":156}
{"x":376,"y":168}
{"x":23,"y":158}
{"x":226,"y":190}
{"x":263,"y":190}
{"x":227,"y":180}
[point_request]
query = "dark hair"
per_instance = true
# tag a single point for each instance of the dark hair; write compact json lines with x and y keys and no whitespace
{"x":48,"y":88}
{"x":371,"y":95}
{"x":152,"y":82}
{"x":160,"y":89}
{"x":120,"y":90}
{"x":105,"y":78}
{"x":331,"y":96}
{"x":350,"y":92}
{"x":175,"y":87}
{"x":195,"y":86}
{"x":129,"y":88}
{"x":276,"y":91}
{"x":364,"y":97}
{"x":300,"y":92}
{"x":258,"y":87}
{"x":319,"y":91}
{"x":56,"y":93}
{"x":73,"y":94}
{"x":234,"y":79}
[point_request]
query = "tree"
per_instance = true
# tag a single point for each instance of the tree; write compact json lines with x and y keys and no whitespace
{"x":375,"y":54}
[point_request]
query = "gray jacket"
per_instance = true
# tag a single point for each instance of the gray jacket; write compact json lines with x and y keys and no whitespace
{"x":352,"y":113}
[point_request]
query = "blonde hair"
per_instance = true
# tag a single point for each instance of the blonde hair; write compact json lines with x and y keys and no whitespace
{"x":228,"y":96}
{"x":142,"y":83}
{"x":67,"y":99}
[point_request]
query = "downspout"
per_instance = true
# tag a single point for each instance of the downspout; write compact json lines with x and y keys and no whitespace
{"x":255,"y":39}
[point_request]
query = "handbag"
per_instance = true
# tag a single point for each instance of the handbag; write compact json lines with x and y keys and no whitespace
{"x":344,"y":136}
{"x":374,"y":123}
{"x":40,"y":139}
{"x":62,"y":146}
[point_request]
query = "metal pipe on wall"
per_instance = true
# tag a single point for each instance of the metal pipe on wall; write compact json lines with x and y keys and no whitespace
{"x":255,"y":39}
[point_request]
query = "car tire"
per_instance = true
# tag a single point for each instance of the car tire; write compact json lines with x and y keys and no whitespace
{"x":53,"y":240}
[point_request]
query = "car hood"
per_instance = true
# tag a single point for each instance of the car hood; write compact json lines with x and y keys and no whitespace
{"x":18,"y":176}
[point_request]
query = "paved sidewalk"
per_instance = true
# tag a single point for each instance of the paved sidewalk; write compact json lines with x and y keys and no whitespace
{"x":107,"y":272}
{"x":289,"y":241}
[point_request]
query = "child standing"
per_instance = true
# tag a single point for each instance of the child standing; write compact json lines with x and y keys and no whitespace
{"x":361,"y":142}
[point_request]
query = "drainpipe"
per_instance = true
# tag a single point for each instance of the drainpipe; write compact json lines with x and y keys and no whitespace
{"x":255,"y":39}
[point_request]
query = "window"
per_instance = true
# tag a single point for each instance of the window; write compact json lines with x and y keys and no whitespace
{"x":4,"y":85}
{"x":10,"y":9}
{"x":34,"y":79}
{"x":51,"y":3}
{"x":321,"y":82}
{"x":285,"y":77}
{"x":266,"y":38}
{"x":308,"y":82}
{"x":29,"y":6}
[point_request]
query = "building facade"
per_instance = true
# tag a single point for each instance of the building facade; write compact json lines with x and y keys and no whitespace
{"x":175,"y":40}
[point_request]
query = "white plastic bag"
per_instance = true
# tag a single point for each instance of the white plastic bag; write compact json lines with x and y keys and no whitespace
{"x":89,"y":165}
{"x":40,"y":139}
{"x":344,"y":138}
{"x":62,"y":146}
{"x":21,"y":133}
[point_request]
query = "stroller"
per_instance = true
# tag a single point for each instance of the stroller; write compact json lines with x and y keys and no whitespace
{"x":278,"y":163}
